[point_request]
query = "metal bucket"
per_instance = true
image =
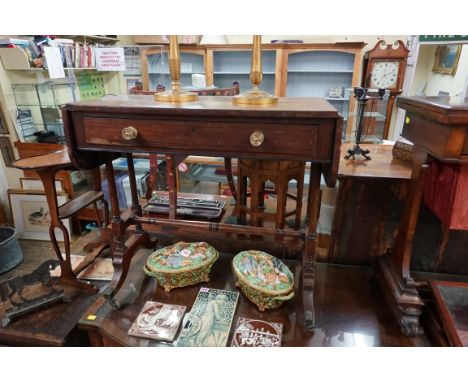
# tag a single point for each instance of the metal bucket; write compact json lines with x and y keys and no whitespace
{"x":10,"y":251}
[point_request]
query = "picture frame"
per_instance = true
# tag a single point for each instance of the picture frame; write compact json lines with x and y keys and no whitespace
{"x":36,"y":184}
{"x":446,"y":59}
{"x":3,"y":125}
{"x":7,"y":151}
{"x":30,"y":214}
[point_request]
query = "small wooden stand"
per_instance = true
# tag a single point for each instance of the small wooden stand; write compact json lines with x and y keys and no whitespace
{"x":47,"y":166}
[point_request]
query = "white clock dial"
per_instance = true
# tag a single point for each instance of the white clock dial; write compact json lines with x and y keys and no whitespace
{"x":384,"y":75}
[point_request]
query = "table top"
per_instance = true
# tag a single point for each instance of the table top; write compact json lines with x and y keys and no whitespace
{"x":381,"y":166}
{"x":296,"y":107}
{"x":50,"y":325}
{"x":449,"y":111}
{"x":451,"y":298}
{"x":341,"y":320}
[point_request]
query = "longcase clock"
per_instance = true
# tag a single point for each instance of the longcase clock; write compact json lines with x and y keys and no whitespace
{"x":384,"y":68}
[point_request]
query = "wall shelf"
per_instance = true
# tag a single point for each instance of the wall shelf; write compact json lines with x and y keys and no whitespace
{"x":91,"y":38}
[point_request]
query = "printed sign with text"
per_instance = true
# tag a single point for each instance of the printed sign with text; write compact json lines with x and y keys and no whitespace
{"x":110,"y":59}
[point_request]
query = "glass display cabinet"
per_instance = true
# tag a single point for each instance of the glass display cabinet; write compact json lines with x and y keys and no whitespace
{"x":38,"y":109}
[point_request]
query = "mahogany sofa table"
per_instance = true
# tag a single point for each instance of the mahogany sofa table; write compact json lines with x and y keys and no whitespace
{"x":305,"y":129}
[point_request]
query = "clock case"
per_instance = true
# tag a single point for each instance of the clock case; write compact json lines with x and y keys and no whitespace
{"x":384,"y":52}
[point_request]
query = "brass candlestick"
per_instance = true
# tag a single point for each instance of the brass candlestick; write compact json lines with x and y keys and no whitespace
{"x":176,"y":94}
{"x":256,"y":96}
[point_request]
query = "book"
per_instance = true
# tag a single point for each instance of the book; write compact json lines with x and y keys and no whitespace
{"x":14,"y":41}
{"x":209,"y":321}
{"x":256,"y":333}
{"x":158,"y":321}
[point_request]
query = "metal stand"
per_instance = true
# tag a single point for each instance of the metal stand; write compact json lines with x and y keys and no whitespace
{"x":362,"y":95}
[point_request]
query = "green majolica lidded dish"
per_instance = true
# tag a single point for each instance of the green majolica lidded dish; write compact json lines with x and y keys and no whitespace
{"x":263,"y":279}
{"x":181,"y":264}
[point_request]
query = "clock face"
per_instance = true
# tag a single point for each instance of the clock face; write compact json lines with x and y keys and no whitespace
{"x":384,"y":74}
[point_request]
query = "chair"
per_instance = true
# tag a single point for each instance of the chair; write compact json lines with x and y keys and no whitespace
{"x":47,"y":166}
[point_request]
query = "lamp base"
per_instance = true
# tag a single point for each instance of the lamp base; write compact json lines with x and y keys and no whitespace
{"x":176,"y":96}
{"x":255,"y":97}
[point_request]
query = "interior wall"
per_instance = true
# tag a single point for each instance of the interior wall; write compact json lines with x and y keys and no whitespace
{"x":435,"y":82}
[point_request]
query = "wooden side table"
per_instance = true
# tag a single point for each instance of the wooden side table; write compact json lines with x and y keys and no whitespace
{"x":365,"y":205}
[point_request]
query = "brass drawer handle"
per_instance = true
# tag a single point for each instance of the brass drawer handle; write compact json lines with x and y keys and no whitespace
{"x":129,"y":133}
{"x":257,"y":138}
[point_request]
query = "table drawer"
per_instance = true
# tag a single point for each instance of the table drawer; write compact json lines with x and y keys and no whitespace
{"x":215,"y":137}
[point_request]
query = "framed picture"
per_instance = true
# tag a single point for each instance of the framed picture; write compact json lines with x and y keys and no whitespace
{"x":3,"y":125}
{"x":446,"y":59}
{"x":7,"y":151}
{"x":30,"y":214}
{"x":36,"y":184}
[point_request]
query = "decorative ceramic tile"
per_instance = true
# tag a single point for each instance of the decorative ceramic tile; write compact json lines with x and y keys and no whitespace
{"x":209,"y":321}
{"x":256,"y":333}
{"x":158,"y":321}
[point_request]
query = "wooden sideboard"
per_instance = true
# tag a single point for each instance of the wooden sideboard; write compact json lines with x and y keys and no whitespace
{"x":305,"y":129}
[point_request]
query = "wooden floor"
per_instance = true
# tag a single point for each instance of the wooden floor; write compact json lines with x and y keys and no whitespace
{"x":350,"y":310}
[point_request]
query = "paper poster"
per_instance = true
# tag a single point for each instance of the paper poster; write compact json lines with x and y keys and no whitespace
{"x":54,"y":62}
{"x":110,"y":59}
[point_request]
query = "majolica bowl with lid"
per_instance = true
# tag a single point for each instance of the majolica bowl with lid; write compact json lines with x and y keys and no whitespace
{"x":181,"y":264}
{"x":263,"y":279}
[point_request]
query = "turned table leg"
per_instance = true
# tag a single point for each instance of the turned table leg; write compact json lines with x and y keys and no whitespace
{"x":135,"y":207}
{"x":118,"y":234}
{"x":171,"y":184}
{"x":308,"y":259}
